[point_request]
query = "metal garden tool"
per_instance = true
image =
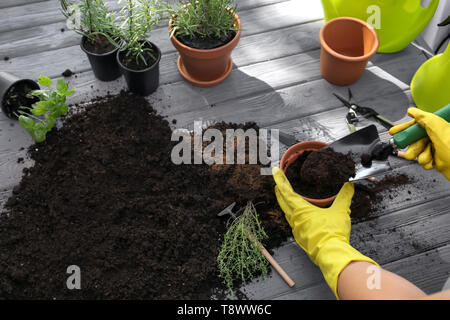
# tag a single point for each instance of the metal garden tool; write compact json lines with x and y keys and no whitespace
{"x":365,"y":147}
{"x":355,"y":112}
{"x":229,"y":211}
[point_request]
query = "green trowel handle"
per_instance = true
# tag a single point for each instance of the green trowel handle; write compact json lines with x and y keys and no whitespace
{"x":410,"y":135}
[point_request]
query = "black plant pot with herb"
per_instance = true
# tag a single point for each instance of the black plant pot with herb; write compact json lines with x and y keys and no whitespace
{"x":141,"y":78}
{"x":15,"y":92}
{"x":103,"y":61}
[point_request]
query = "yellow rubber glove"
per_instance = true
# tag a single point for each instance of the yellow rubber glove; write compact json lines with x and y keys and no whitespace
{"x":432,"y":151}
{"x":324,"y":234}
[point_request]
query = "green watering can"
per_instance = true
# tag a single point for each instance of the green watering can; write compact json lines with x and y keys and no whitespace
{"x":397,"y":22}
{"x":430,"y":86}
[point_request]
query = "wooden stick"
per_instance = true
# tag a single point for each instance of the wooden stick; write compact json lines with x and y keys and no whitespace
{"x":273,"y":262}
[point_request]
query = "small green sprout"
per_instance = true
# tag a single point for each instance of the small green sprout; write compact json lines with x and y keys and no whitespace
{"x":41,"y":117}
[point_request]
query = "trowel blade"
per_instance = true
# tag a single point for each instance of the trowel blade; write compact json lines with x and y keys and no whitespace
{"x":358,"y":143}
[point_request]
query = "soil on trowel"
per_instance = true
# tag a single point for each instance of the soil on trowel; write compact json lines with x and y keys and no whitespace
{"x":320,"y":174}
{"x":105,"y":196}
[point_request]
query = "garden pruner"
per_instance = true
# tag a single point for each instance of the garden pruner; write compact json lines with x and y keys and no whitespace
{"x":355,"y":111}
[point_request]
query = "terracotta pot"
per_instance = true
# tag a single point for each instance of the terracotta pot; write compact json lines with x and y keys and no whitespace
{"x":205,"y":67}
{"x":292,"y":154}
{"x":347,"y":45}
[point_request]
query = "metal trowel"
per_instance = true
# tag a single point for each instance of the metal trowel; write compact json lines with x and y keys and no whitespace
{"x":367,"y":151}
{"x":360,"y":144}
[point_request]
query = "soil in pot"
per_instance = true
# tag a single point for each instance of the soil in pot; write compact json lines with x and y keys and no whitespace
{"x":130,"y":62}
{"x":18,"y":95}
{"x":206,"y":43}
{"x":320,"y":174}
{"x":99,"y":45}
{"x":104,"y":195}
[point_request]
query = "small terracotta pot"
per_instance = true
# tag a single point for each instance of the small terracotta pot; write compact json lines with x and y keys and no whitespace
{"x":205,"y":67}
{"x":292,"y":154}
{"x":347,"y":45}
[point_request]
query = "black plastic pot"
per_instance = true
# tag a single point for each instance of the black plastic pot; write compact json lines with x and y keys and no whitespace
{"x":13,"y":93}
{"x":104,"y":65}
{"x":142,"y":82}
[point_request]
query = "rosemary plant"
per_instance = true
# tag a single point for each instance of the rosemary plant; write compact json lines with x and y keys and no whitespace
{"x":240,"y":258}
{"x":138,"y":18}
{"x":90,"y":18}
{"x":203,"y":18}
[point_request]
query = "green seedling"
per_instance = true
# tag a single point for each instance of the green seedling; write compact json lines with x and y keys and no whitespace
{"x":203,"y":18}
{"x":92,"y":19}
{"x":41,"y":117}
{"x":138,"y":18}
{"x":240,"y":257}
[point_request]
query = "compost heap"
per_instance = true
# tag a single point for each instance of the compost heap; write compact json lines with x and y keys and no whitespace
{"x":105,"y":196}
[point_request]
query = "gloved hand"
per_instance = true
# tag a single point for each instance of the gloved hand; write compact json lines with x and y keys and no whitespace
{"x":324,"y":234}
{"x":432,"y":151}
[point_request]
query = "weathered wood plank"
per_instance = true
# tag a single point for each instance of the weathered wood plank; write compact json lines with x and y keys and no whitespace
{"x":16,"y":3}
{"x":48,"y":12}
{"x":49,"y":36}
{"x":436,"y":262}
{"x":35,"y":14}
{"x":245,"y":83}
{"x":74,"y":58}
{"x":407,"y":232}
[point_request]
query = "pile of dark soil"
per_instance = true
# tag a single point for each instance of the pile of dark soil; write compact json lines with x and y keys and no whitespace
{"x":104,"y":195}
{"x":320,"y":174}
{"x":207,"y":42}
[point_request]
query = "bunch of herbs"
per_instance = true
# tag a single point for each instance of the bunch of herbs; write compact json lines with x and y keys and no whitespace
{"x":240,"y":257}
{"x":139,"y":17}
{"x":91,"y":19}
{"x":203,"y":18}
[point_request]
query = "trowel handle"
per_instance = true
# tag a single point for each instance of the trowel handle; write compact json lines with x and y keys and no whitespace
{"x":415,"y":132}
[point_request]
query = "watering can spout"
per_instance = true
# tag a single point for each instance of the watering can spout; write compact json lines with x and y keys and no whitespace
{"x":430,"y":87}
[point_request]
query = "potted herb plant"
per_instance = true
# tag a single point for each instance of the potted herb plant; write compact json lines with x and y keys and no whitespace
{"x":41,"y":117}
{"x":205,"y":32}
{"x":93,"y":21}
{"x":15,"y":92}
{"x":138,"y":58}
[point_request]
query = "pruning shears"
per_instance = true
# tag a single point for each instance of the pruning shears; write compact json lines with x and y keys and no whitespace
{"x":355,"y":111}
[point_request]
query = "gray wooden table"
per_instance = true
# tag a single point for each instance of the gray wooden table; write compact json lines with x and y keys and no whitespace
{"x":276,"y":82}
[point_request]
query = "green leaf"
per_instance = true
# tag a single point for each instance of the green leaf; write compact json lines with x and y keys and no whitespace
{"x":41,"y":94}
{"x":45,"y":81}
{"x":39,"y":110}
{"x":26,"y":122}
{"x":38,"y":135}
{"x":50,"y":122}
{"x":61,"y":86}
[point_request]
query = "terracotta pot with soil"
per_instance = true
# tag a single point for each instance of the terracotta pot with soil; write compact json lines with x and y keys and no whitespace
{"x":102,"y":57}
{"x":15,"y":92}
{"x":206,"y":62}
{"x":347,"y":45}
{"x":315,"y":173}
{"x":142,"y":78}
